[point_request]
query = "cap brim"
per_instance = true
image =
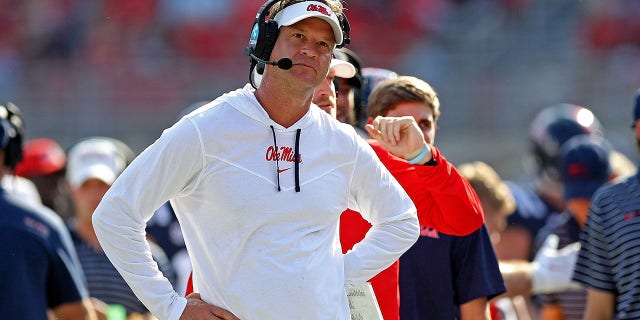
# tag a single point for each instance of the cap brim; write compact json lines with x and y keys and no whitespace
{"x":581,"y":189}
{"x":94,"y":171}
{"x":310,"y":9}
{"x":343,"y":69}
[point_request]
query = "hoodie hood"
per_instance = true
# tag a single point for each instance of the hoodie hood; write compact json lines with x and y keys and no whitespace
{"x":244,"y":100}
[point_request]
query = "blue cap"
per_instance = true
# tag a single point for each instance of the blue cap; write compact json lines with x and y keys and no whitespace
{"x":584,"y":166}
{"x":636,"y":109}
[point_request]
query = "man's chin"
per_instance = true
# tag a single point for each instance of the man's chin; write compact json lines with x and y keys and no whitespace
{"x":327,"y":109}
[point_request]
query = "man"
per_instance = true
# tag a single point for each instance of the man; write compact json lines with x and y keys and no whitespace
{"x":584,"y":167}
{"x":325,"y":94}
{"x":258,"y":179}
{"x":324,"y":97}
{"x":39,"y":269}
{"x":93,"y":165}
{"x":451,"y":272}
{"x":608,"y":260}
{"x":348,"y":96}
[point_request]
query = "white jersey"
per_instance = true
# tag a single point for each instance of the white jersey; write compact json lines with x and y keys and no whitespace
{"x":259,"y":248}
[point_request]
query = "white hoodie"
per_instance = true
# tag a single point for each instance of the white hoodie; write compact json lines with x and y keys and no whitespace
{"x":256,"y":251}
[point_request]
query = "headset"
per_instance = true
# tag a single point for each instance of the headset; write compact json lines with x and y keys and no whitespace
{"x":264,"y":34}
{"x":13,"y":131}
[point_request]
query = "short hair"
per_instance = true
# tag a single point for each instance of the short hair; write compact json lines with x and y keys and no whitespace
{"x":489,"y":187}
{"x":335,"y":5}
{"x":391,"y":92}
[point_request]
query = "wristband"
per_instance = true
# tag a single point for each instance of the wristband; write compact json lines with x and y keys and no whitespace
{"x":421,"y":155}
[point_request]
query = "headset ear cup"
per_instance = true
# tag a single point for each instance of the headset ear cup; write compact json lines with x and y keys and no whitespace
{"x":267,"y":40}
{"x":346,"y":30}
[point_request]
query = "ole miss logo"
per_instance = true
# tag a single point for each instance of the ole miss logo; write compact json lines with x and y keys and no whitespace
{"x":285,"y":154}
{"x":630,"y":215}
{"x":321,"y":9}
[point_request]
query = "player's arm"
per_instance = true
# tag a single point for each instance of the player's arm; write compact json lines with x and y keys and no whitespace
{"x":549,"y":272}
{"x":600,"y":305}
{"x":551,"y":311}
{"x":517,"y":277}
{"x":475,"y":309}
{"x":79,"y":310}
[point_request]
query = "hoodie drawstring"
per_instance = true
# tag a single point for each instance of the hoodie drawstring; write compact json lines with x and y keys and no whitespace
{"x":296,"y":158}
{"x":275,"y":145}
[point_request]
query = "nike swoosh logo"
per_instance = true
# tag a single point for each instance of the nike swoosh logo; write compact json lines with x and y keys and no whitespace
{"x":283,"y":170}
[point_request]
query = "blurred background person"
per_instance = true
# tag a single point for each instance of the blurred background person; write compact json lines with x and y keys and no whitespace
{"x":39,"y":268}
{"x":584,"y":167}
{"x":371,"y":77}
{"x":349,"y":100}
{"x":44,"y":163}
{"x":325,"y":95}
{"x":93,"y":165}
{"x":496,"y":198}
{"x":541,"y":198}
{"x":497,"y":203}
{"x":608,"y":261}
{"x":551,"y":269}
{"x":11,"y":183}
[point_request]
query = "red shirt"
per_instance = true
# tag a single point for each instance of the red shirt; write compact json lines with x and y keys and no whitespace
{"x":445,"y":201}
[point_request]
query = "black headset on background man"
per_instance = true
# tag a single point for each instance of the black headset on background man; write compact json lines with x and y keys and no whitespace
{"x":11,"y":133}
{"x":264,"y":34}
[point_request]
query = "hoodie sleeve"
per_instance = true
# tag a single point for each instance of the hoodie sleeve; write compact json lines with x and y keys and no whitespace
{"x":166,"y":168}
{"x":380,"y":200}
{"x":445,"y":200}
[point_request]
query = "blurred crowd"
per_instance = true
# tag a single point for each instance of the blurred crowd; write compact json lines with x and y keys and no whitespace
{"x":113,"y":30}
{"x":145,"y":36}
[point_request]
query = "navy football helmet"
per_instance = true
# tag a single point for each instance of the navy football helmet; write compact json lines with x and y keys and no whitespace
{"x":552,"y":127}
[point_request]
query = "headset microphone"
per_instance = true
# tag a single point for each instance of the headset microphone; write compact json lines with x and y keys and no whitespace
{"x":284,"y":63}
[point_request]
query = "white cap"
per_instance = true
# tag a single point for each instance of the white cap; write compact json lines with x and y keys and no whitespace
{"x":310,"y":9}
{"x":344,"y":69}
{"x":96,"y":158}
